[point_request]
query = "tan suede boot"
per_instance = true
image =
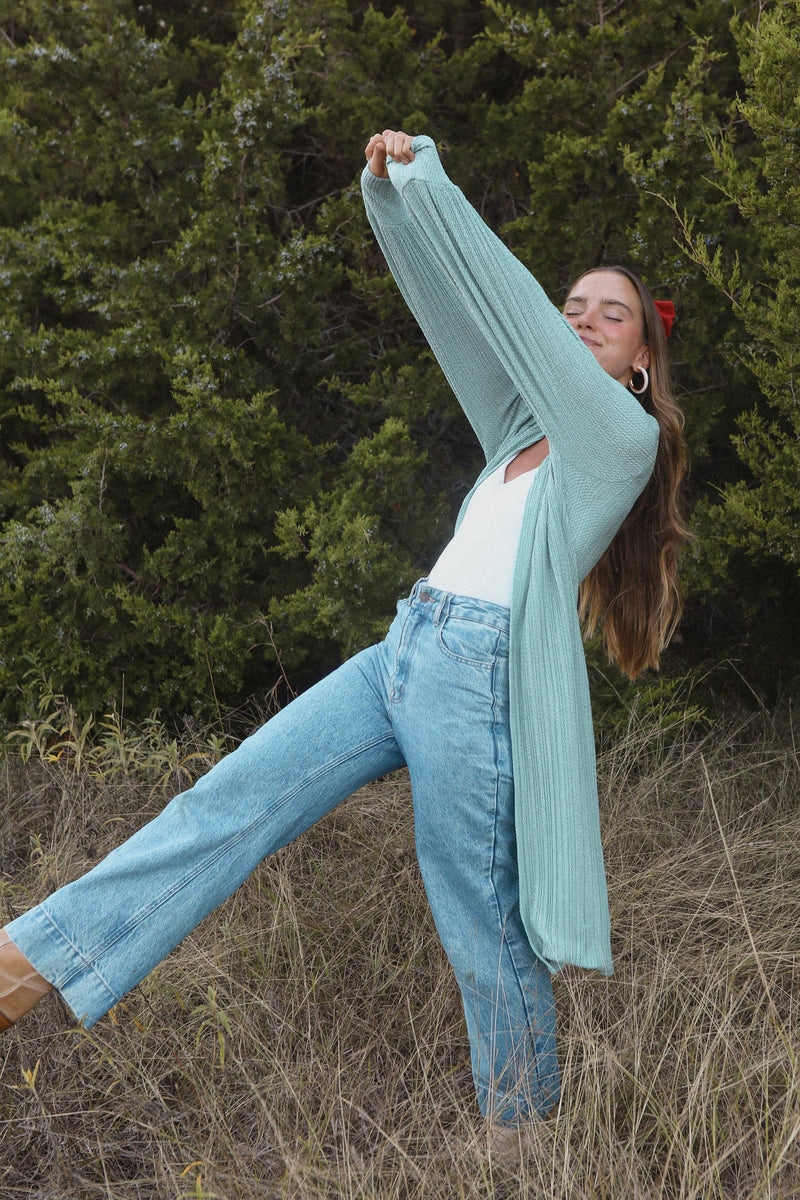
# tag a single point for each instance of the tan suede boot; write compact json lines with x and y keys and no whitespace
{"x":21,"y":986}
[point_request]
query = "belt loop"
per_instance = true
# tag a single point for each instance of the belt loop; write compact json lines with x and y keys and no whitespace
{"x":441,"y":608}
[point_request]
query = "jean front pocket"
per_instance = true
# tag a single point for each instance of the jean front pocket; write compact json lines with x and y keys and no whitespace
{"x":471,"y":641}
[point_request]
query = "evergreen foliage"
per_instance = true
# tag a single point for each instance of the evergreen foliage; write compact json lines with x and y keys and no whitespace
{"x":224,"y":447}
{"x":748,"y":556}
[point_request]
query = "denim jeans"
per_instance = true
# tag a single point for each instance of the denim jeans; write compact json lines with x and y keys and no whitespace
{"x":432,"y":696}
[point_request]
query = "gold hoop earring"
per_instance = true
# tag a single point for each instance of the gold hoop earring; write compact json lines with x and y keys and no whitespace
{"x":638,"y":391}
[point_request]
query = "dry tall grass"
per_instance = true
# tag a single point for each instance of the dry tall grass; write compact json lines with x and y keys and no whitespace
{"x":307,"y":1041}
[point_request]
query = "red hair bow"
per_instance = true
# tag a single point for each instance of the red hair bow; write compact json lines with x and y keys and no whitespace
{"x":666,"y":310}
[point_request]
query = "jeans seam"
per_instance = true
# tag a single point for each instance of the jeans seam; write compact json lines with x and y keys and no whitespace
{"x":143,"y":913}
{"x":505,"y":943}
{"x":84,"y":963}
{"x":483,"y":664}
{"x":395,"y":671}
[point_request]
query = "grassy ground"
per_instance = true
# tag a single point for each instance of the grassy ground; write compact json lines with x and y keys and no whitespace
{"x":307,"y":1041}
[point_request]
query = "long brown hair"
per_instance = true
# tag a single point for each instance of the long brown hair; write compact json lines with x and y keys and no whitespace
{"x":633,"y":589}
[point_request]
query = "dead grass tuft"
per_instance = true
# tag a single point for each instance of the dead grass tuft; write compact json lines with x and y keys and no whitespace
{"x":306,"y":1043}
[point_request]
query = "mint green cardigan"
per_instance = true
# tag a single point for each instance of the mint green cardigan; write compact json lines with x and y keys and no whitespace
{"x":520,"y":371}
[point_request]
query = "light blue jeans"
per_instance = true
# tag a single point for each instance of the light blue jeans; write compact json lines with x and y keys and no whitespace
{"x":432,"y":696}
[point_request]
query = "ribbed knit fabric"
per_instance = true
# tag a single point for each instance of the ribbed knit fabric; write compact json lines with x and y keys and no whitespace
{"x":520,"y":371}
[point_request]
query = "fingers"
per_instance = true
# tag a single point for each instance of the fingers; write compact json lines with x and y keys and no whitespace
{"x":375,"y":151}
{"x":391,"y":142}
{"x":398,"y":145}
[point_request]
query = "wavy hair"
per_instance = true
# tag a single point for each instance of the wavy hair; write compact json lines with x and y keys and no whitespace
{"x":633,"y":589}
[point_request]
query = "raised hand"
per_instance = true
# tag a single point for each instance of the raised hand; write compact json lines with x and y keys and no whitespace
{"x":392,"y":142}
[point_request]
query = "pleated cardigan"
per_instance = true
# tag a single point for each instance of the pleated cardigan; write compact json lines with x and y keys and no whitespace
{"x":519,"y":372}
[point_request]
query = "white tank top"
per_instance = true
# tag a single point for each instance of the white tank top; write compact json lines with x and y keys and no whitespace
{"x":479,"y":559}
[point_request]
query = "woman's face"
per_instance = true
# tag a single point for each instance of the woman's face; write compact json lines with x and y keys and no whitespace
{"x":605,"y":311}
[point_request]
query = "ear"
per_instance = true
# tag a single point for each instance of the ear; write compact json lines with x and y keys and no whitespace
{"x":643,"y":358}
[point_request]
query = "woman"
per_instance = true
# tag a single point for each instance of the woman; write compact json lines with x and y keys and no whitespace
{"x":482,"y":666}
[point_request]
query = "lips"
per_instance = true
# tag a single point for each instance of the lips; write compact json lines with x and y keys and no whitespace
{"x":587,"y":341}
